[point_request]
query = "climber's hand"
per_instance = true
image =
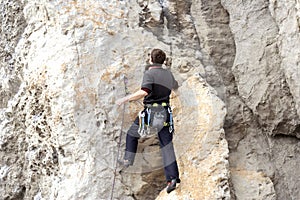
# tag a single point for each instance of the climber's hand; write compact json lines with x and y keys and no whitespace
{"x":121,"y":101}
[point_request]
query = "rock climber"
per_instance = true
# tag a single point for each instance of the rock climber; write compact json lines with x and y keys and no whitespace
{"x":156,"y":88}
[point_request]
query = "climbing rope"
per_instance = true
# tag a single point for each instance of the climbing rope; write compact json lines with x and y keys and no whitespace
{"x":120,"y":139}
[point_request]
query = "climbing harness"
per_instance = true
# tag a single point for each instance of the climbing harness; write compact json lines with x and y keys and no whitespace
{"x":120,"y":139}
{"x":155,"y":116}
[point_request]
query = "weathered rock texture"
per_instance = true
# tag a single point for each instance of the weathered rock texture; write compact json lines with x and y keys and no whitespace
{"x":262,"y":126}
{"x":236,"y":111}
{"x":202,"y":149}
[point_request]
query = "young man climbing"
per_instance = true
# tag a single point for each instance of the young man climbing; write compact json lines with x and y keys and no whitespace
{"x":156,"y":88}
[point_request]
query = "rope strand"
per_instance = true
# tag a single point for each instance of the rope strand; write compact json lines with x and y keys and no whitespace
{"x":120,"y":140}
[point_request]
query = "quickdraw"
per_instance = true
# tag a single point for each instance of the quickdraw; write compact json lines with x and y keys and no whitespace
{"x":141,"y":130}
{"x":171,"y":120}
{"x":148,"y":110}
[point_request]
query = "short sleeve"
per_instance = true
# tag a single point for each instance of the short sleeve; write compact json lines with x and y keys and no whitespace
{"x":147,"y":82}
{"x":175,"y":83}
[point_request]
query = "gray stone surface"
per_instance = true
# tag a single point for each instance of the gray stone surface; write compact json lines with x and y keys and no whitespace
{"x":265,"y":106}
{"x":12,"y":27}
{"x":62,"y":68}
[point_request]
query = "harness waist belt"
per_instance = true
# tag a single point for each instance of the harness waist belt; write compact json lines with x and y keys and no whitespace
{"x":164,"y":104}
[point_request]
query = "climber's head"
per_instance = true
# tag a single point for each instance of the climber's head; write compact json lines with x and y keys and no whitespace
{"x":158,"y":56}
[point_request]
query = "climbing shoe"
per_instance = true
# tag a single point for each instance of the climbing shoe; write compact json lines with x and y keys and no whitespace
{"x":171,"y":185}
{"x":124,"y":163}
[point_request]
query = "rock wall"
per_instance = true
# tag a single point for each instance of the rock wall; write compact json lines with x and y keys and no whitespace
{"x":236,"y":111}
{"x":263,"y":127}
{"x":12,"y":24}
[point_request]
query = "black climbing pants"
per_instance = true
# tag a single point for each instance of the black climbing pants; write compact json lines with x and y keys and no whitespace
{"x":166,"y":146}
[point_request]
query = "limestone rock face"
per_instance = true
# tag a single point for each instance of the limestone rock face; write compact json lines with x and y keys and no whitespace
{"x":200,"y":144}
{"x":262,"y":125}
{"x":237,"y":110}
{"x":12,"y":27}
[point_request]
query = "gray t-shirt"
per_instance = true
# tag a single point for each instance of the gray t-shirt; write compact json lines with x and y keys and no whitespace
{"x":158,"y":83}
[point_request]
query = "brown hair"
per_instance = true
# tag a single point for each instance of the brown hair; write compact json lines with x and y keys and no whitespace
{"x":158,"y":56}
